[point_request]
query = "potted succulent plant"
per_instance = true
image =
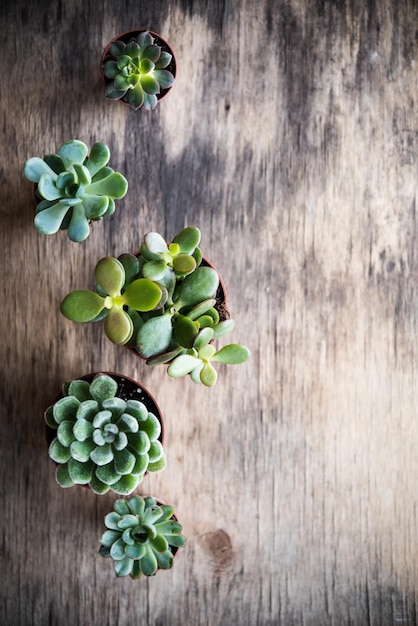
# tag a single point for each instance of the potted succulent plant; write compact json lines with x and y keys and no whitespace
{"x":139,"y":68}
{"x":162,"y":303}
{"x":142,"y":537}
{"x":74,"y":188}
{"x":105,"y":431}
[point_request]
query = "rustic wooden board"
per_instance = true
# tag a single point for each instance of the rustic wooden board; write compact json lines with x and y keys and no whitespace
{"x":290,"y":140}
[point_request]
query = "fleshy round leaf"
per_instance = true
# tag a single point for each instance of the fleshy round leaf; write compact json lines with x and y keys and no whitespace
{"x":232,"y":354}
{"x":208,"y":375}
{"x":165,"y":559}
{"x":159,"y":543}
{"x":65,"y":409}
{"x":158,"y":466}
{"x":137,"y":409}
{"x":155,"y":452}
{"x":87,"y":409}
{"x":182,"y":365}
{"x":73,"y":151}
{"x":185,"y":330}
{"x":65,"y":433}
{"x":139,"y":442}
{"x":80,"y":473}
{"x":154,"y":336}
{"x":109,"y":536}
{"x":125,"y":485}
{"x":99,"y":155}
{"x":151,"y":427}
{"x":198,"y":286}
{"x":141,"y":466}
{"x":117,"y":551}
{"x":110,"y":275}
{"x":136,"y":551}
{"x":188,"y":239}
{"x":103,"y":387}
{"x":58,"y":452}
{"x":111,"y":521}
{"x":118,"y":325}
{"x":101,"y":455}
{"x":82,"y":306}
{"x":35,"y":167}
{"x":155,"y":243}
{"x":128,"y":521}
{"x":80,"y":389}
{"x":127,"y":424}
{"x":121,"y":507}
{"x":98,"y":486}
{"x":107,"y":473}
{"x":62,"y":476}
{"x":49,"y":221}
{"x":164,"y":78}
{"x":124,"y":462}
{"x":149,"y":563}
{"x":136,"y":505}
{"x":143,"y":294}
{"x":124,"y":566}
{"x":78,"y":228}
{"x":82,"y":430}
{"x":114,"y":185}
{"x":95,"y":206}
{"x":80,"y":450}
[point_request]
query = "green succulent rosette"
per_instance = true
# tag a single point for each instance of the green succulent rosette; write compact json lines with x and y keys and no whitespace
{"x":142,"y":537}
{"x":102,"y":440}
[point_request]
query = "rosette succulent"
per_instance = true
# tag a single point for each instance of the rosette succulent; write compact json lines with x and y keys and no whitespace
{"x":101,"y":439}
{"x":142,"y":536}
{"x":164,"y":303}
{"x":74,"y":188}
{"x":137,"y":71}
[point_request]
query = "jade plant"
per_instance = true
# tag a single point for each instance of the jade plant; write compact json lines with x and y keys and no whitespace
{"x":137,"y":71}
{"x":162,"y":303}
{"x":142,"y":537}
{"x":74,"y":188}
{"x":101,"y":439}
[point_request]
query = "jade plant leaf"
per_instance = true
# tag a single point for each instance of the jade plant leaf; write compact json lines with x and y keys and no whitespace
{"x":183,"y":365}
{"x":188,"y":239}
{"x":110,"y":275}
{"x":154,"y":336}
{"x":198,"y":286}
{"x":143,"y":294}
{"x":118,"y":325}
{"x":82,"y":306}
{"x":232,"y":354}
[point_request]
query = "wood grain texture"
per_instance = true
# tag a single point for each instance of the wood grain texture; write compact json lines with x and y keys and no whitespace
{"x":290,"y":139}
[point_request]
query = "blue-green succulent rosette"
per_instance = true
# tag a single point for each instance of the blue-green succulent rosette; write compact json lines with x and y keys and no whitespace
{"x":102,"y":439}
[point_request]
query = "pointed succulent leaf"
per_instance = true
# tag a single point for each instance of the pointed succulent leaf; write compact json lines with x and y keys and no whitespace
{"x":80,"y":450}
{"x":164,"y":78}
{"x":113,"y":93}
{"x":150,"y":85}
{"x":152,"y":52}
{"x":80,"y":473}
{"x":154,"y":336}
{"x":128,"y":521}
{"x":110,"y":69}
{"x":82,"y":306}
{"x":124,"y":566}
{"x":149,"y":563}
{"x":109,"y":536}
{"x":182,"y":365}
{"x":117,"y":48}
{"x":135,"y":96}
{"x":165,"y":559}
{"x":163,"y":60}
{"x":73,"y":151}
{"x":232,"y":354}
{"x":143,"y":294}
{"x":99,"y":157}
{"x":117,"y":551}
{"x":145,"y":66}
{"x":132,"y":49}
{"x":63,"y":477}
{"x":135,"y":551}
{"x":118,"y":325}
{"x":150,"y":101}
{"x":159,"y":543}
{"x":65,"y":409}
{"x":78,"y":228}
{"x":48,"y":221}
{"x":58,"y":452}
{"x":136,"y":505}
{"x":35,"y":167}
{"x":144,"y":39}
{"x":114,"y":185}
{"x":198,"y":286}
{"x":110,"y":275}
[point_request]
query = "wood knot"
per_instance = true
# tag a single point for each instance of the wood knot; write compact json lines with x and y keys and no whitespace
{"x":219,"y":546}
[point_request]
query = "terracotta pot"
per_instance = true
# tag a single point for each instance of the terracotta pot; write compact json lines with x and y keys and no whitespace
{"x":159,"y":41}
{"x":128,"y":389}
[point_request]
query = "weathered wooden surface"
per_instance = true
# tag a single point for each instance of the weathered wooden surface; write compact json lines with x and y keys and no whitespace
{"x":291,"y":140}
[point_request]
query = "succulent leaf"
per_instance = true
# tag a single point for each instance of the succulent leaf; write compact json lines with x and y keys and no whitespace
{"x":110,"y":275}
{"x":198,"y":286}
{"x":82,"y":306}
{"x":35,"y":167}
{"x":48,"y":221}
{"x":118,"y":325}
{"x":232,"y":354}
{"x":73,"y":151}
{"x":78,"y":228}
{"x":154,"y":336}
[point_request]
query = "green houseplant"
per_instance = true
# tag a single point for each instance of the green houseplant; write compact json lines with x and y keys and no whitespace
{"x":164,"y":304}
{"x":139,"y":68}
{"x":105,"y":431}
{"x":74,"y":188}
{"x":142,"y":537}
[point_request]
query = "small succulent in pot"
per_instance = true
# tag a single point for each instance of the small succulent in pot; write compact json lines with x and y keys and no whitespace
{"x":142,"y":537}
{"x":136,"y":67}
{"x":104,"y":439}
{"x":164,"y":304}
{"x":74,"y":188}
